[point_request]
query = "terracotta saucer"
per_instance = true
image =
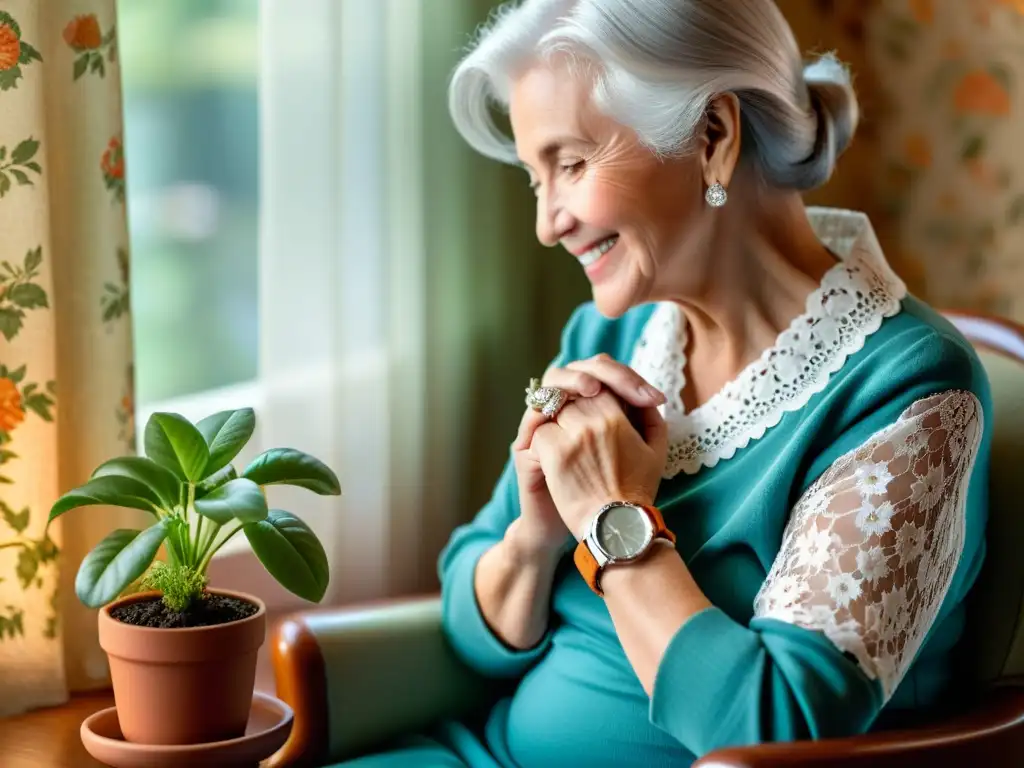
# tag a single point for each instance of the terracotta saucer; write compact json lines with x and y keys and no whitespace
{"x":270,"y":723}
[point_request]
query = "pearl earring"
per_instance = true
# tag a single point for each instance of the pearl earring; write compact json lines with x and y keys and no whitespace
{"x":716,"y":195}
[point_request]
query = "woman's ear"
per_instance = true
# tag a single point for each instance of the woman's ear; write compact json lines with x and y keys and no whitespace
{"x":720,"y":139}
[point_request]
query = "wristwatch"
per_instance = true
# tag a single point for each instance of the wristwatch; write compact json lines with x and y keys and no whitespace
{"x":621,"y":532}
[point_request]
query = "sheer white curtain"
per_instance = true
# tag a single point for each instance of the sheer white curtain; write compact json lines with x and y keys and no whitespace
{"x":405,"y":301}
{"x":342,"y":266}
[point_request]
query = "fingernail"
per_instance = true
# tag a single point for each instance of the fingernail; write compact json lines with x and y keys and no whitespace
{"x":652,"y":394}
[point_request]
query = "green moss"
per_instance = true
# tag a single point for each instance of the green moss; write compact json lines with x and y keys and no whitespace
{"x":180,"y":585}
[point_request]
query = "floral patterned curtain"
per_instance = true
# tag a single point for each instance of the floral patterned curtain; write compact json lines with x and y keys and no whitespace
{"x":66,"y":391}
{"x":936,"y":162}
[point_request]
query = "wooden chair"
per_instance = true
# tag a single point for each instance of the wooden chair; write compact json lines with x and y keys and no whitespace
{"x":357,"y":676}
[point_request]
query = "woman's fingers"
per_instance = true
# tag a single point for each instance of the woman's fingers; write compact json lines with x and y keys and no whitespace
{"x":588,"y":378}
{"x":620,"y":379}
{"x":574,"y":382}
{"x":530,"y":421}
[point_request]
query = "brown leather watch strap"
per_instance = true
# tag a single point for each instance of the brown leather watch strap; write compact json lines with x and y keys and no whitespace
{"x":587,"y":564}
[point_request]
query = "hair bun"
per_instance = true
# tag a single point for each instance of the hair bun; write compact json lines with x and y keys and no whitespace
{"x":835,"y":103}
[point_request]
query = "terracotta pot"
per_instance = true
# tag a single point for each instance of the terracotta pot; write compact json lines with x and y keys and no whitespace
{"x":183,"y":686}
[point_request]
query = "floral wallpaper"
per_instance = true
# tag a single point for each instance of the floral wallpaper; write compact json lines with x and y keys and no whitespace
{"x":936,"y":162}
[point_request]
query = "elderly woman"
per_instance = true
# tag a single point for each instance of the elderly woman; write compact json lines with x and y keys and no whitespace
{"x":747,"y":502}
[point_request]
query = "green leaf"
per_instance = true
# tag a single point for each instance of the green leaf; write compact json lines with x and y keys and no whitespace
{"x":33,"y":259}
{"x":116,"y":562}
{"x":25,"y":151}
{"x":27,"y":567}
{"x":34,"y":166}
{"x":81,"y":64}
{"x":1016,"y":211}
{"x":40,"y":404}
{"x":3,"y":154}
{"x":1002,"y":75}
{"x":18,"y":375}
{"x":164,"y":483}
{"x":20,"y":176}
{"x":115,"y":490}
{"x":291,"y":553}
{"x":238,"y":499}
{"x":111,"y":312}
{"x":28,"y":54}
{"x":46,"y":550}
{"x":10,"y":321}
{"x":18,"y":521}
{"x":27,"y":296}
{"x":9,"y":78}
{"x":173,"y":442}
{"x":5,"y":184}
{"x":217,"y":479}
{"x":6,"y":456}
{"x":973,"y":148}
{"x":8,"y":20}
{"x":226,"y":433}
{"x":287,"y":466}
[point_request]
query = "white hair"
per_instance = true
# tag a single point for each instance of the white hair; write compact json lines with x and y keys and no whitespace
{"x":656,"y":65}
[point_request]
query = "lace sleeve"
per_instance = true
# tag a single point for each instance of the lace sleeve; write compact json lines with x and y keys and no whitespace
{"x":871,"y":548}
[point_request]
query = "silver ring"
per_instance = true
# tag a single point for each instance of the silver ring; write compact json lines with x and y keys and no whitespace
{"x":546,"y":400}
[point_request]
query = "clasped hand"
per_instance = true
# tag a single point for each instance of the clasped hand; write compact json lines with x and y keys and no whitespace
{"x":591,"y":453}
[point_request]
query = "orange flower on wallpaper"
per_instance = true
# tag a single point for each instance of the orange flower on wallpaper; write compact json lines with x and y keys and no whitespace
{"x":112,"y":161}
{"x":112,"y":166}
{"x":918,"y":150}
{"x":923,"y":11}
{"x":14,"y":52}
{"x":11,"y":411}
{"x":83,"y":33}
{"x":10,"y":47}
{"x":980,"y":93}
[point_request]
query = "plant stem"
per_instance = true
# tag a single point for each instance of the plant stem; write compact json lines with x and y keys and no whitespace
{"x":190,"y":515}
{"x":204,"y":548}
{"x":198,"y":538}
{"x":213,"y":550}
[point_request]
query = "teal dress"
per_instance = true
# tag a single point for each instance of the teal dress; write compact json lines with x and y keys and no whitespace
{"x":830,"y":503}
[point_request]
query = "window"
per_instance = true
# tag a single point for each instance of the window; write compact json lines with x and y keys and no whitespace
{"x":190,"y":70}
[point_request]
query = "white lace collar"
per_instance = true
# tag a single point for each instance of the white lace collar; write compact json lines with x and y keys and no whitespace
{"x":854,"y":297}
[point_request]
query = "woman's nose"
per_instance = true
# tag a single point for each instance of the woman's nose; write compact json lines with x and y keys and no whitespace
{"x":553,"y":221}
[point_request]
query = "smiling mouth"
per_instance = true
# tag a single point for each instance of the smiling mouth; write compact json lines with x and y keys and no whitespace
{"x":589,"y":257}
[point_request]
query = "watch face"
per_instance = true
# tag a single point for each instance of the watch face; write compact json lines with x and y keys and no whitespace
{"x":623,"y":531}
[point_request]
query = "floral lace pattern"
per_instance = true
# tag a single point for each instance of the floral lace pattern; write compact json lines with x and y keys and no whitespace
{"x":854,"y":297}
{"x":871,"y":548}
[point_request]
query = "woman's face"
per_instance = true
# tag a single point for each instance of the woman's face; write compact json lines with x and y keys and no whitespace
{"x":628,"y":217}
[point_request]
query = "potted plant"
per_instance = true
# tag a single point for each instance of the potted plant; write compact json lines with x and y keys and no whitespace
{"x":183,"y":655}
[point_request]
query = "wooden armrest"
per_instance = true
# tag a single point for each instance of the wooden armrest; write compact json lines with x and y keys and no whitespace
{"x":989,"y":734}
{"x":358,"y":676}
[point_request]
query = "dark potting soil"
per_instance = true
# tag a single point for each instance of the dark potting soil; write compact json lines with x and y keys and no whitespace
{"x":211,"y":610}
